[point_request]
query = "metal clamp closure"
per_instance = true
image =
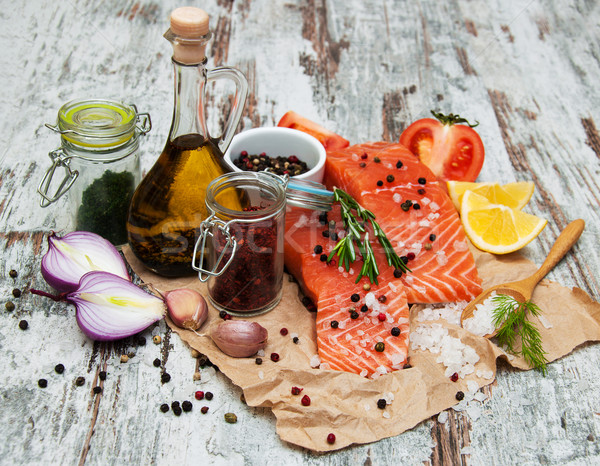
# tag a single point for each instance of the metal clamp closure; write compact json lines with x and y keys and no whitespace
{"x":59,"y":159}
{"x":205,"y":232}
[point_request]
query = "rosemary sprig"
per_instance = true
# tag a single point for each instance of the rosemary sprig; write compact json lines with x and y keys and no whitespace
{"x":357,"y":235}
{"x":510,"y":317}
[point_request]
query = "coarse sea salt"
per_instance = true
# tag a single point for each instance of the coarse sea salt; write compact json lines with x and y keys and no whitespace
{"x":386,"y":415}
{"x":450,"y":312}
{"x":315,"y":361}
{"x":482,"y":321}
{"x":442,"y":417}
{"x":397,"y":198}
{"x":460,"y":245}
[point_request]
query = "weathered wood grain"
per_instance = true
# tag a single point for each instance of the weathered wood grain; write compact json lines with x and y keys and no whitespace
{"x":527,"y":71}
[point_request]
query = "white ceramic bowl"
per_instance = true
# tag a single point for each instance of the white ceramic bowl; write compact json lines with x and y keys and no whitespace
{"x":283,"y":142}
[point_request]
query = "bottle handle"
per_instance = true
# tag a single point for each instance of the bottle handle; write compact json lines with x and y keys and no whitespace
{"x":241,"y":92}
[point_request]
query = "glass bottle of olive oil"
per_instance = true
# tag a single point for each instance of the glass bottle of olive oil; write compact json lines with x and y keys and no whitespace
{"x":168,"y":206}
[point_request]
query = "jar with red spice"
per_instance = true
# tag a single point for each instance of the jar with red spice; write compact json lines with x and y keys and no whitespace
{"x":241,"y":247}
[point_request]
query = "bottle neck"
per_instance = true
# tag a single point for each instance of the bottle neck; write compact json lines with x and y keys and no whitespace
{"x":188,"y":109}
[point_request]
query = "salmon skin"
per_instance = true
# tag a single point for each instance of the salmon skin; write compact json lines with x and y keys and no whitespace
{"x":348,"y":327}
{"x":382,"y":177}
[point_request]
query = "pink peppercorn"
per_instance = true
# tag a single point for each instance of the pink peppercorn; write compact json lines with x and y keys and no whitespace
{"x":244,"y":153}
{"x":199,"y":395}
{"x":410,"y":256}
{"x":331,"y":439}
{"x":296,"y":390}
{"x":274,"y":357}
{"x":364,"y":156}
{"x":305,"y":400}
{"x":381,"y":317}
{"x":454,"y":377}
{"x":284,"y":331}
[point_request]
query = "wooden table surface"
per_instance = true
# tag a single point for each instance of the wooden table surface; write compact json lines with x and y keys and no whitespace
{"x":528,"y":71}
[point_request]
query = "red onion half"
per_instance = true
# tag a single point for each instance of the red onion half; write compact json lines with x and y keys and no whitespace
{"x":72,"y":256}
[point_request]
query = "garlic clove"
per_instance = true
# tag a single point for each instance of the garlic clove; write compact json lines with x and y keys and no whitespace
{"x":240,"y":338}
{"x":187,"y":308}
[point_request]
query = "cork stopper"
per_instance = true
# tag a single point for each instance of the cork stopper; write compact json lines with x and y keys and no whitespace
{"x":189,"y":34}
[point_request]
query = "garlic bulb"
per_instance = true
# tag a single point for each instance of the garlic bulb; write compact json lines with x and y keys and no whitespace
{"x":187,"y":308}
{"x":240,"y":338}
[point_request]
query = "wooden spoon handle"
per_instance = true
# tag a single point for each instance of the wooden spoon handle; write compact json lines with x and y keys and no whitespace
{"x":562,"y":245}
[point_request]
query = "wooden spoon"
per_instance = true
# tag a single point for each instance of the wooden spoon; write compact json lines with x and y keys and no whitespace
{"x":523,"y":289}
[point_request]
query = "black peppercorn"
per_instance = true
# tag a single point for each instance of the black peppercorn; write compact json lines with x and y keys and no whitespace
{"x":296,"y":340}
{"x":222,"y":314}
{"x":380,"y":347}
{"x":460,"y":395}
{"x":208,"y":396}
{"x":355,"y":298}
{"x":364,"y":308}
{"x":59,"y":368}
{"x":43,"y":383}
{"x":395,"y":331}
{"x":334,"y":324}
{"x":164,"y":378}
{"x":399,"y":164}
{"x":381,"y":403}
{"x":334,"y":236}
{"x":258,"y":361}
{"x":164,"y":407}
{"x":397,"y":273}
{"x":323,"y":218}
{"x":325,"y":233}
{"x":389,"y":178}
{"x":23,"y":325}
{"x":404,"y":259}
{"x":187,"y":406}
{"x":323,"y":257}
{"x":175,"y":404}
{"x":416,"y":206}
{"x":376,"y":159}
{"x":318,"y":249}
{"x":156,"y":362}
{"x":102,"y":375}
{"x":79,"y":381}
{"x":432,"y":237}
{"x":422,"y":180}
{"x":204,"y":409}
{"x":13,"y":274}
{"x":405,"y":206}
{"x":177,"y":411}
{"x":354,"y":315}
{"x":362,"y":164}
{"x":379,"y":183}
{"x":16,"y":292}
{"x":97,"y":390}
{"x":141,"y":341}
{"x":10,"y":306}
{"x":382,"y":298}
{"x":421,"y":191}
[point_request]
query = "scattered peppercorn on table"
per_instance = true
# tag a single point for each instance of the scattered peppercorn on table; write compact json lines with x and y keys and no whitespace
{"x":365,"y":70}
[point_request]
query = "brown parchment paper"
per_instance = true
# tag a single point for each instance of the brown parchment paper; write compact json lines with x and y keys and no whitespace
{"x":346,"y":404}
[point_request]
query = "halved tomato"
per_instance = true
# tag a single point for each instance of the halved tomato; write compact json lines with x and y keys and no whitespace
{"x":329,"y":139}
{"x":451,"y":150}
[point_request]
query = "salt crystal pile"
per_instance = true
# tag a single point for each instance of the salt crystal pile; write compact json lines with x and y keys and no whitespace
{"x":482,"y":321}
{"x":450,"y":312}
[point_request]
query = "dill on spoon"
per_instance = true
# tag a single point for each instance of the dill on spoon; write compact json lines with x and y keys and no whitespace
{"x":357,"y":235}
{"x":510,"y":318}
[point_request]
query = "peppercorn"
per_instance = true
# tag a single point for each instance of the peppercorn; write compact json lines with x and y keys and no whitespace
{"x":454,"y":377}
{"x":399,"y":164}
{"x":208,"y":396}
{"x":460,"y":395}
{"x":165,"y":377}
{"x":199,"y":395}
{"x":381,"y":403}
{"x":323,"y":218}
{"x":354,"y":315}
{"x":421,"y":191}
{"x":382,"y":317}
{"x":331,"y":439}
{"x":177,"y":411}
{"x":364,"y":308}
{"x":397,"y":273}
{"x":203,"y":360}
{"x":410,"y":256}
{"x":296,"y":340}
{"x":334,"y":324}
{"x":284,"y":331}
{"x":296,"y":390}
{"x":355,"y":298}
{"x":428,"y":246}
{"x":333,"y":236}
{"x":79,"y":381}
{"x":13,"y":273}
{"x":395,"y":331}
{"x":124,"y":358}
{"x":156,"y":339}
{"x":422,"y":180}
{"x":432,"y":237}
{"x":258,"y":361}
{"x":97,"y":389}
{"x":102,"y":375}
{"x":318,"y":249}
{"x":227,"y":316}
{"x":16,"y":292}
{"x":379,"y":183}
{"x":274,"y":357}
{"x":405,"y":206}
{"x":325,"y":233}
{"x":175,"y":404}
{"x":10,"y":306}
{"x":43,"y":383}
{"x":366,"y":287}
{"x":59,"y":368}
{"x":23,"y":325}
{"x":204,"y":409}
{"x":141,"y":341}
{"x":389,"y":178}
{"x":364,"y":156}
{"x":230,"y":418}
{"x":164,"y":408}
{"x":416,"y":206}
{"x":323,"y":257}
{"x":380,"y":346}
{"x":222,"y":314}
{"x":362,"y":164}
{"x":305,"y":400}
{"x":376,"y":159}
{"x":187,"y":406}
{"x":156,"y":362}
{"x":407,"y":366}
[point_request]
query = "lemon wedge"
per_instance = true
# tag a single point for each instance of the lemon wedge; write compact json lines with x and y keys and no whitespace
{"x":514,"y":195}
{"x":497,"y":228}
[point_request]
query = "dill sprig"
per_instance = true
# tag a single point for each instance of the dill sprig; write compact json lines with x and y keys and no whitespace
{"x":510,"y":318}
{"x":357,"y":237}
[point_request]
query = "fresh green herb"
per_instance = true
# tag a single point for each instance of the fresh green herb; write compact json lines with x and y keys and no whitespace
{"x":357,"y":235}
{"x":510,"y":318}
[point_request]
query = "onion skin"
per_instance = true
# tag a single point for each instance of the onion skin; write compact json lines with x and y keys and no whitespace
{"x":240,"y":338}
{"x":187,"y":308}
{"x":110,"y":307}
{"x":71,"y":256}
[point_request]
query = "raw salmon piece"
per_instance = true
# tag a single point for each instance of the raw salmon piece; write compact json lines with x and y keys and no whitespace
{"x":443,"y":269}
{"x":351,"y":346}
